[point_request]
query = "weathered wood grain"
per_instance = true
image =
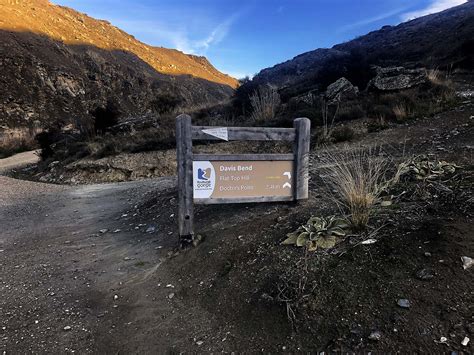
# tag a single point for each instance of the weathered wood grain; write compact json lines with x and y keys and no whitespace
{"x":301,"y":150}
{"x":213,"y":201}
{"x":248,"y":134}
{"x":185,"y":177}
{"x":243,"y":157}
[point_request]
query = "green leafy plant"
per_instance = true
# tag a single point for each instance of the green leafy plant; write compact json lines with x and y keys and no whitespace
{"x":318,"y":232}
{"x":421,"y":168}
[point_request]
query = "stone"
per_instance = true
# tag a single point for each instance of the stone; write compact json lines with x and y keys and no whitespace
{"x":341,"y":90}
{"x":403,"y":303}
{"x":67,"y":327}
{"x":375,"y":335}
{"x":151,"y":229}
{"x":424,"y":274}
{"x":397,"y":78}
{"x":465,"y":341}
{"x":171,"y":295}
{"x":467,"y":262}
{"x":105,"y":230}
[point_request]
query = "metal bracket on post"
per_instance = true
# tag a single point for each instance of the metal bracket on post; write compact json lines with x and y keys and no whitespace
{"x":301,"y":150}
{"x":184,"y":148}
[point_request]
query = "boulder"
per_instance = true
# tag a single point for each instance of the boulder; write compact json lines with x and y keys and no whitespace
{"x":340,"y":90}
{"x":397,"y":78}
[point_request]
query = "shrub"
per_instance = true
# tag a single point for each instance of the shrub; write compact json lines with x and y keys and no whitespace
{"x":105,"y":117}
{"x":348,"y":113}
{"x":355,"y":180}
{"x":377,"y":124}
{"x":46,"y":140}
{"x":342,"y":134}
{"x":265,"y":102}
{"x":165,"y":103}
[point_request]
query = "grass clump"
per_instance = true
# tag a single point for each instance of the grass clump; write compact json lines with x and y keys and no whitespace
{"x":355,"y":180}
{"x":265,"y":102}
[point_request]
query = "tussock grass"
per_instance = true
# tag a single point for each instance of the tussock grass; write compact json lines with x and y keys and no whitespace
{"x":265,"y":102}
{"x":401,"y":112}
{"x":355,"y":180}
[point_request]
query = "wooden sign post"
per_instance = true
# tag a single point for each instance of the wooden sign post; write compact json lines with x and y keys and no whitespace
{"x":238,"y":178}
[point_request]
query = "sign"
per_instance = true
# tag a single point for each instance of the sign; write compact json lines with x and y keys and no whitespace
{"x":238,"y":178}
{"x":220,"y":133}
{"x":242,"y":179}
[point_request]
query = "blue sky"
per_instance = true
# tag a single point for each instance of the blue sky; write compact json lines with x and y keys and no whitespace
{"x":244,"y":36}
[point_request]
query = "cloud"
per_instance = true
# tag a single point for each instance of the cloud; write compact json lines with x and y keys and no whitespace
{"x":215,"y":37}
{"x":177,"y":35}
{"x":435,"y":6}
{"x":372,"y":19}
{"x":237,"y":75}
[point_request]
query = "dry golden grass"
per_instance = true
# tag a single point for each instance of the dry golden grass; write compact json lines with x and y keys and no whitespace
{"x":16,"y":141}
{"x":265,"y":102}
{"x":355,"y":180}
{"x":434,"y":75}
{"x":401,"y":112}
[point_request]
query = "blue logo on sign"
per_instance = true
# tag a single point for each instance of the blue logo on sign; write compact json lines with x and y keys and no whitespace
{"x":203,"y":174}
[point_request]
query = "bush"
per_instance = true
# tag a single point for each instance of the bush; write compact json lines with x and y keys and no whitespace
{"x":46,"y":140}
{"x":377,"y":125}
{"x":165,"y":103}
{"x":355,"y":180}
{"x":105,"y":117}
{"x":342,"y":134}
{"x":348,"y":113}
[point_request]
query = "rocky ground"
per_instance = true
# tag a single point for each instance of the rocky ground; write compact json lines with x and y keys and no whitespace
{"x":95,"y":268}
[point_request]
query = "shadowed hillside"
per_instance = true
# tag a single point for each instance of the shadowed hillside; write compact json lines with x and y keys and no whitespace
{"x":59,"y":65}
{"x":72,"y":27}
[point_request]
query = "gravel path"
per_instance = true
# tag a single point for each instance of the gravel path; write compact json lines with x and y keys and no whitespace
{"x":60,"y":274}
{"x":19,"y":160}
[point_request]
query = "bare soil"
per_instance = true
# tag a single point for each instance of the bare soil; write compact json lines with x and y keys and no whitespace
{"x":68,"y":287}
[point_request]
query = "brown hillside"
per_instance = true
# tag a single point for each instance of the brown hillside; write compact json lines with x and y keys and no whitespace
{"x":74,"y":28}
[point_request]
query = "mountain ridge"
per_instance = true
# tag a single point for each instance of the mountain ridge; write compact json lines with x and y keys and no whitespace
{"x":432,"y":40}
{"x":76,"y":28}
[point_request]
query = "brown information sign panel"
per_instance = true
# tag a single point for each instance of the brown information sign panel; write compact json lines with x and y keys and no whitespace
{"x":240,"y":180}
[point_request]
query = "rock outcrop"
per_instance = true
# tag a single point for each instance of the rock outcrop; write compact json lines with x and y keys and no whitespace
{"x":340,"y":90}
{"x":397,"y":78}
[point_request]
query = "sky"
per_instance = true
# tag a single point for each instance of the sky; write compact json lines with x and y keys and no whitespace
{"x":241,"y":37}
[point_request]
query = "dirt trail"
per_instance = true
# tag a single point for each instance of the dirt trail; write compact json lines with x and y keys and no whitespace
{"x":19,"y":160}
{"x":68,"y":287}
{"x":60,"y":271}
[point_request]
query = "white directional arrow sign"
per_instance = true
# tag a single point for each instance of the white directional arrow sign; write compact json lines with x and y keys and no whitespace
{"x":287,"y":185}
{"x":287,"y":173}
{"x":220,"y":133}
